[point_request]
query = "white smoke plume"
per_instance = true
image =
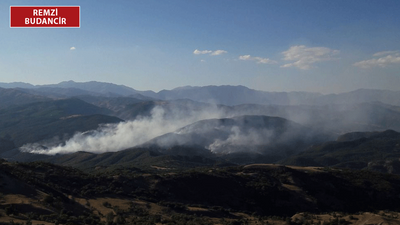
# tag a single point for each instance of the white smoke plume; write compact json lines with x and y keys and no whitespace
{"x":116,"y":137}
{"x":218,"y":138}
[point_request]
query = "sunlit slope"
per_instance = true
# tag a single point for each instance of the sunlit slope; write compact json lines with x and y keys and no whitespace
{"x":63,"y":194}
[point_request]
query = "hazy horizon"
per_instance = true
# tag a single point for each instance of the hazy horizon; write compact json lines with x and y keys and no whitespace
{"x":193,"y":86}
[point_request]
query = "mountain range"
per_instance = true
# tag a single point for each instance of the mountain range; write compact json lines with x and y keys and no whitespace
{"x":100,"y":153}
{"x":187,"y":126}
{"x":226,"y":95}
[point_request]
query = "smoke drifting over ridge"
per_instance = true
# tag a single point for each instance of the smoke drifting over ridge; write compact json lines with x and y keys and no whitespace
{"x":245,"y":134}
{"x":170,"y":123}
{"x":167,"y":127}
{"x":116,"y":137}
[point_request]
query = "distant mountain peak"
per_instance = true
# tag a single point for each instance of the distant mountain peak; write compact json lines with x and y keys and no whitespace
{"x":69,"y":81}
{"x":183,"y":87}
{"x":16,"y":85}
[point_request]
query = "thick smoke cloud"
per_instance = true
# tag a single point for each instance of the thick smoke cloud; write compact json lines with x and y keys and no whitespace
{"x":167,"y":126}
{"x":116,"y":137}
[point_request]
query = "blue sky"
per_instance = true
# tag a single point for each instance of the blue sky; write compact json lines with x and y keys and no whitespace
{"x":308,"y":45}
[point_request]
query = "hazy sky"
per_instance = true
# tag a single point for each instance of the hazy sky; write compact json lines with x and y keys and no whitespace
{"x":307,"y":45}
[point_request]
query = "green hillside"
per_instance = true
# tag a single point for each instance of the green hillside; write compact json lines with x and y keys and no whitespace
{"x":38,"y":121}
{"x":12,"y":97}
{"x":370,"y":150}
